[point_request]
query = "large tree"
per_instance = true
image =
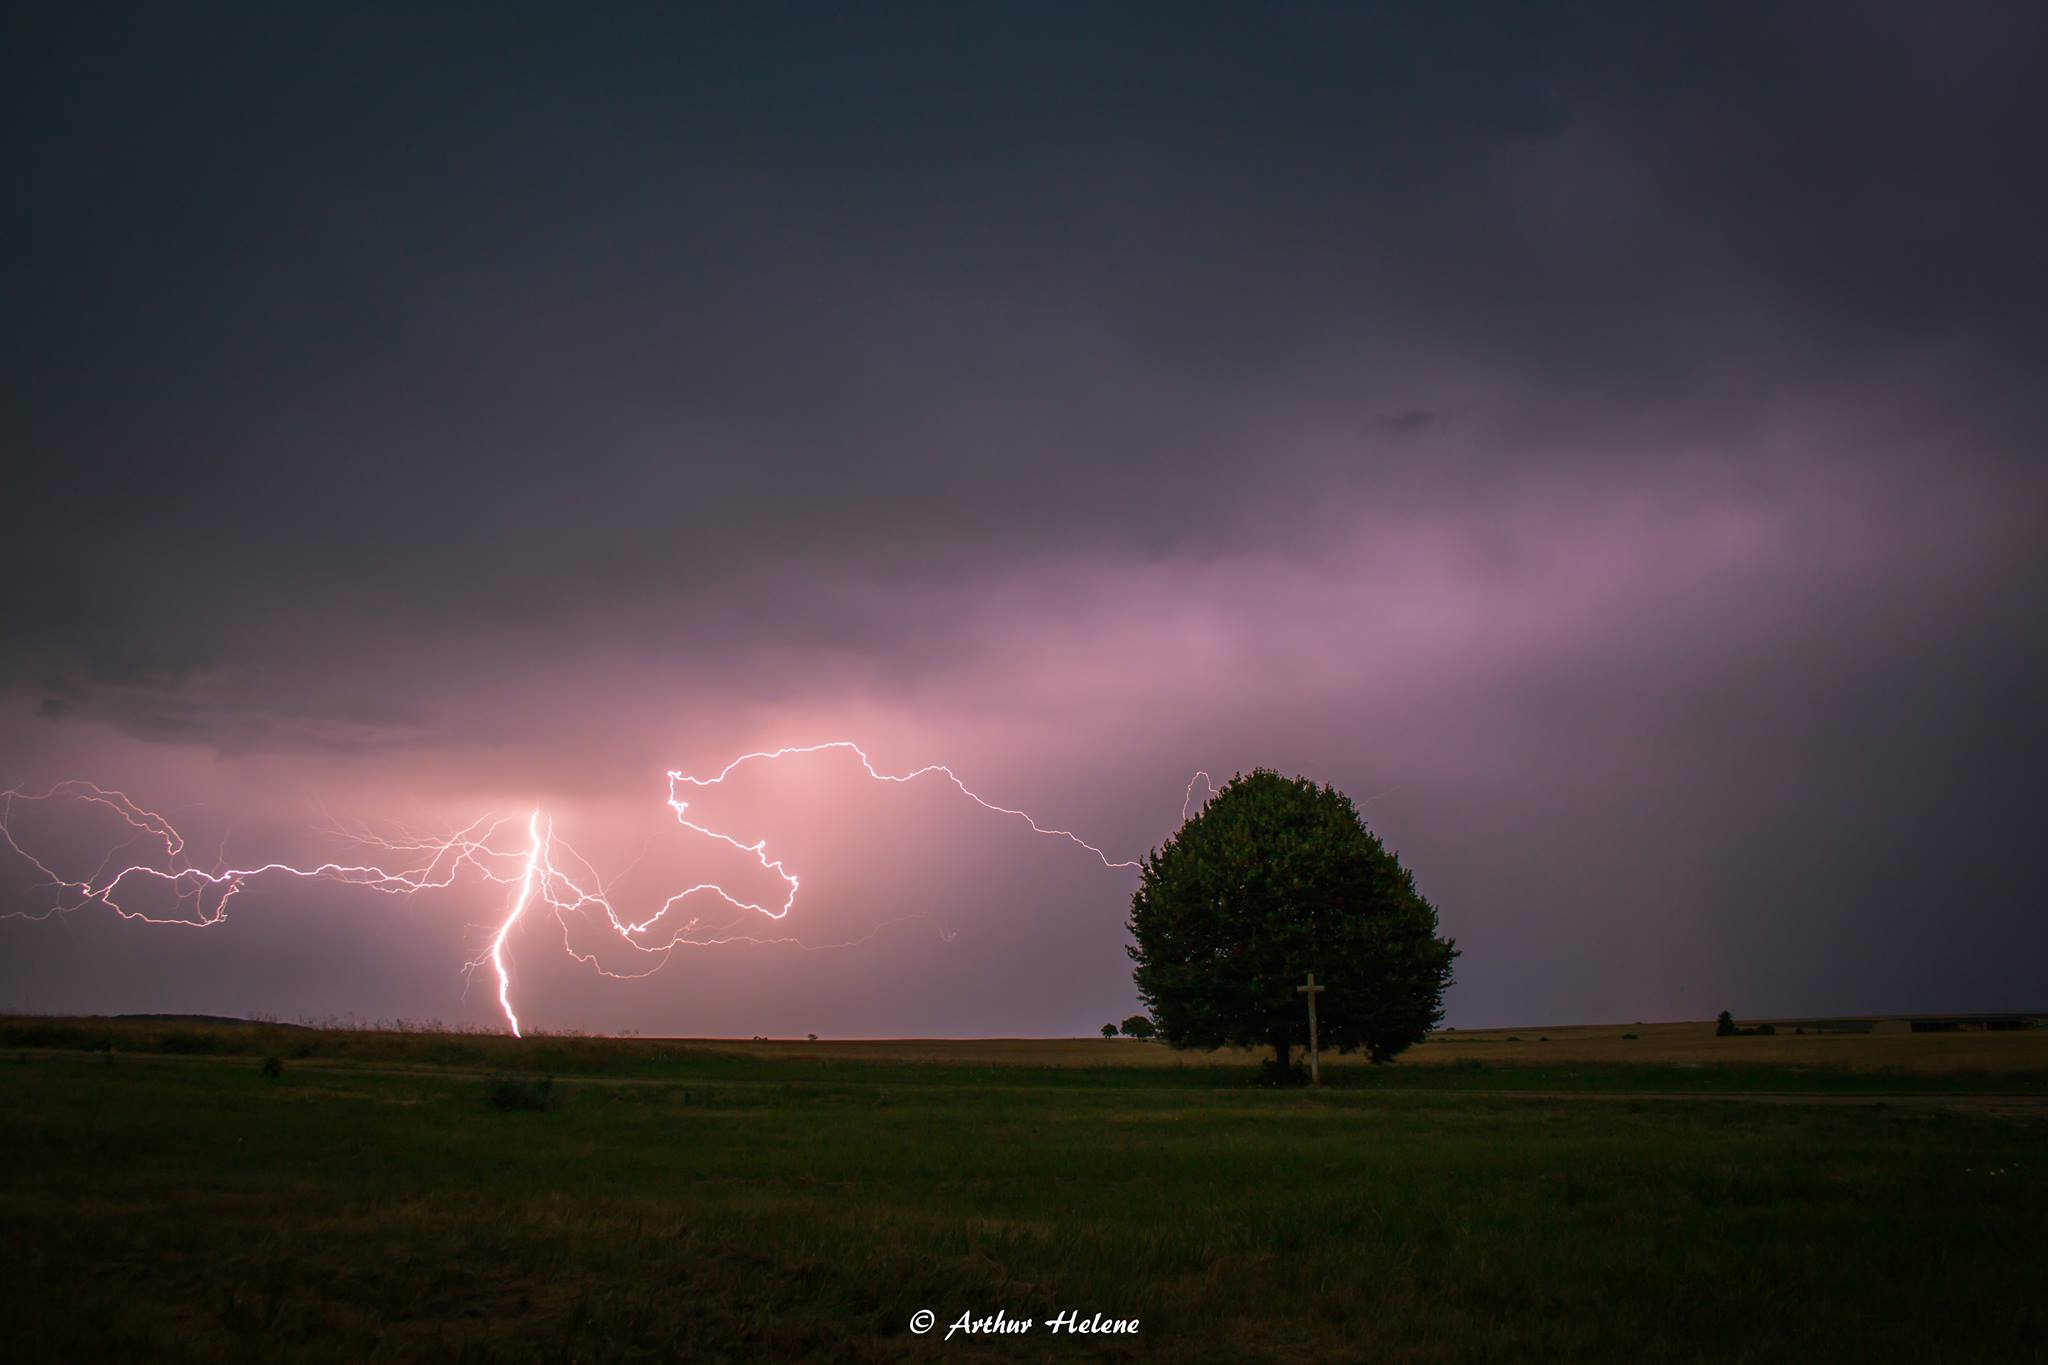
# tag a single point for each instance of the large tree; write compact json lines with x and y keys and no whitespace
{"x":1276,"y":878}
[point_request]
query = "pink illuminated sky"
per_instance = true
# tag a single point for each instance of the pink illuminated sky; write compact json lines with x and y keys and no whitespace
{"x":1610,"y":454}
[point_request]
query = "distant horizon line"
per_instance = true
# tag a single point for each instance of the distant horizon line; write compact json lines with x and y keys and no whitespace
{"x":428,"y":1026}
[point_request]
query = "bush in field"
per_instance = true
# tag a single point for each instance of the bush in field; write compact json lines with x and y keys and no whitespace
{"x":520,"y":1092}
{"x":1724,"y":1027}
{"x":1273,"y":1072}
{"x":1109,"y":1030}
{"x":273,"y":1065}
{"x":1276,"y":878}
{"x":1138,"y":1026}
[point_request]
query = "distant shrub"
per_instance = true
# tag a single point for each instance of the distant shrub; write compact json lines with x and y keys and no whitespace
{"x":1513,"y":1038}
{"x":1628,"y":1037}
{"x":1270,"y":1072}
{"x":273,"y":1065}
{"x":1724,"y":1026}
{"x":520,"y":1092}
{"x":1767,"y":1030}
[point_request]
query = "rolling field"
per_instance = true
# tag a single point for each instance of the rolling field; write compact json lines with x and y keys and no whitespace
{"x":1854,"y":1197}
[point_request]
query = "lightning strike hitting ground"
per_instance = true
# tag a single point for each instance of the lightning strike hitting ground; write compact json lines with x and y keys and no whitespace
{"x":544,"y":869}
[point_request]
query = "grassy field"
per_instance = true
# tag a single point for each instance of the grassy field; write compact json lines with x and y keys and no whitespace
{"x":1667,"y":1197}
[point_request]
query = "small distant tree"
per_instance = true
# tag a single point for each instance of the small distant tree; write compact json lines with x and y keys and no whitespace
{"x":1109,"y":1030}
{"x":1276,"y":878}
{"x":1724,"y":1027}
{"x":1138,"y":1026}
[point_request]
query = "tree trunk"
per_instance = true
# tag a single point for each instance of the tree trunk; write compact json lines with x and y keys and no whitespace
{"x":1281,"y":1048}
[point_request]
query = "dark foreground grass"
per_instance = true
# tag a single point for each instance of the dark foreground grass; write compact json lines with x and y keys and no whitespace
{"x":189,"y":1206}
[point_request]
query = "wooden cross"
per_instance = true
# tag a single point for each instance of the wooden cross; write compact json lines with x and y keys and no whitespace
{"x":1315,"y":1062}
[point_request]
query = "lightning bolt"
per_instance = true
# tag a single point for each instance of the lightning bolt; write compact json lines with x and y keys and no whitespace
{"x":544,"y":870}
{"x":534,"y":847}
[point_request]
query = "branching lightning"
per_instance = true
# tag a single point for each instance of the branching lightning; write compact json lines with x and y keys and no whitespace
{"x":542,"y":870}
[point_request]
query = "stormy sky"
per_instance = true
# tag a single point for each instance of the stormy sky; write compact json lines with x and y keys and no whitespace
{"x":1607,"y":442}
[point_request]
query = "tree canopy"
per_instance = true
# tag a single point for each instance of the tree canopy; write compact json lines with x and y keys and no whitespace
{"x":1275,"y":878}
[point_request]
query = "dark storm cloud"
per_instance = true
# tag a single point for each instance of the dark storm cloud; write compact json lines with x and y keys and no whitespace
{"x":1656,"y":384}
{"x":435,"y":314}
{"x":225,"y":722}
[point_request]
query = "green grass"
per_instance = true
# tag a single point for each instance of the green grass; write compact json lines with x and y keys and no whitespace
{"x":373,"y":1203}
